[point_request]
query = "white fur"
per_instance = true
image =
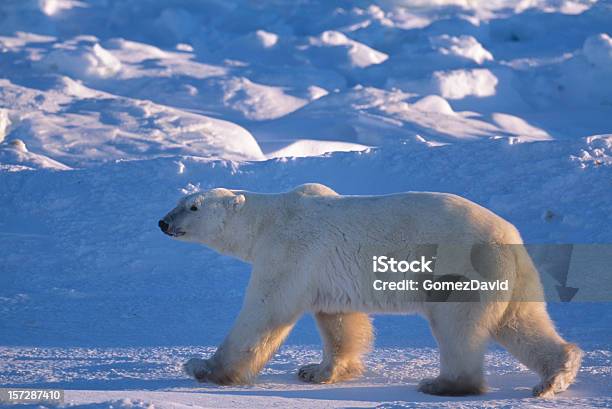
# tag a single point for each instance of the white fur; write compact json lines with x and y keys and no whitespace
{"x":311,"y":251}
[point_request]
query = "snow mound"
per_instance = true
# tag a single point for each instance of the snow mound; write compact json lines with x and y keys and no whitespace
{"x":464,"y":46}
{"x":371,"y":116}
{"x":140,"y":62}
{"x":5,"y":123}
{"x":315,"y":92}
{"x":434,"y":103}
{"x":53,"y":7}
{"x":259,"y":102}
{"x":458,"y":84}
{"x":598,"y":50}
{"x":135,"y":52}
{"x":353,"y":52}
{"x":15,"y":154}
{"x":266,"y":39}
{"x":304,"y":148}
{"x":583,"y":78}
{"x":82,"y":57}
{"x":518,"y":126}
{"x":80,"y":125}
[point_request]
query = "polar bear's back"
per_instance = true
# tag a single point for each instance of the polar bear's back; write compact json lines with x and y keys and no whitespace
{"x":420,"y":216}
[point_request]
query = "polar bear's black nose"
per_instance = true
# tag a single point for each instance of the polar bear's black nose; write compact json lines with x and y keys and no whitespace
{"x":163,"y":226}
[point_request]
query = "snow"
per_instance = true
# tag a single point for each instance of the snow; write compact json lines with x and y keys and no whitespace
{"x":462,"y":46}
{"x":15,"y":155}
{"x":266,"y":39}
{"x":52,"y":7}
{"x":518,"y":126}
{"x":458,"y":84}
{"x":5,"y":122}
{"x":305,"y":148}
{"x":80,"y":125}
{"x":111,"y":110}
{"x":82,"y":57}
{"x":353,"y":52}
{"x":259,"y":102}
{"x":434,"y":103}
{"x":389,"y":380}
{"x":598,"y":50}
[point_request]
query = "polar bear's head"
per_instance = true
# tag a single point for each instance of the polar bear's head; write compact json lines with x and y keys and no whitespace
{"x":201,"y":217}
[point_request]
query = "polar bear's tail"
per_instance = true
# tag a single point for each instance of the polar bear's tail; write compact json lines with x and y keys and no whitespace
{"x":528,"y":333}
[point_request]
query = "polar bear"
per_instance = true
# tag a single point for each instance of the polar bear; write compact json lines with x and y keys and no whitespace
{"x":311,"y":251}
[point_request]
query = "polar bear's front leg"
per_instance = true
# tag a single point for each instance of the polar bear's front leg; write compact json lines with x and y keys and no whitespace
{"x":262,"y":325}
{"x":346,"y":337}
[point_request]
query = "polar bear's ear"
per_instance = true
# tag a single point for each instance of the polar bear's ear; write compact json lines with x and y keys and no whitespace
{"x":237,"y":202}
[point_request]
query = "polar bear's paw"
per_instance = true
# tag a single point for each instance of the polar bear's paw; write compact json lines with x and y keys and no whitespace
{"x":204,"y":370}
{"x":315,"y":373}
{"x":325,"y":373}
{"x":567,"y":366}
{"x":544,"y":390}
{"x":197,"y":368}
{"x":445,"y":387}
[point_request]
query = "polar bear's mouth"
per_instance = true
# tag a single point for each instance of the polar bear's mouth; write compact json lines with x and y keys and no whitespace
{"x":167,"y":229}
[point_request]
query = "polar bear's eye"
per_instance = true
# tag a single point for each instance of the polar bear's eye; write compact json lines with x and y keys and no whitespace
{"x":194,"y":208}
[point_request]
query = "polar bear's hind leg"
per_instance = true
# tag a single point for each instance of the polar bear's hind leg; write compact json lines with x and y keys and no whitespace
{"x":462,"y":347}
{"x":346,"y":337}
{"x":530,"y":336}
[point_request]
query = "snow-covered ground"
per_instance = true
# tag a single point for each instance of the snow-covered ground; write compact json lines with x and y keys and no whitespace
{"x":111,"y":109}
